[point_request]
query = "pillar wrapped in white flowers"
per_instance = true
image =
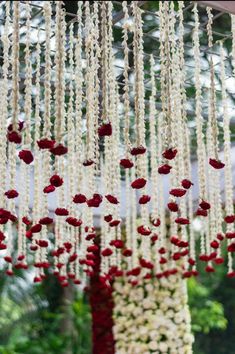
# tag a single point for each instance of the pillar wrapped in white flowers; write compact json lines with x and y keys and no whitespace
{"x":152,"y":317}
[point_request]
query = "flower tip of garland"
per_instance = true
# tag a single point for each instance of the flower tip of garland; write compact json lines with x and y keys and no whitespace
{"x":11,"y":194}
{"x":9,"y":272}
{"x":209,"y":269}
{"x":216,"y":164}
{"x":56,"y":181}
{"x":172,"y":206}
{"x":201,"y":212}
{"x":219,"y":260}
{"x":59,"y":149}
{"x":88,"y":162}
{"x":138,"y":183}
{"x":37,"y":279}
{"x":139,"y":150}
{"x":117,"y":243}
{"x":145,"y":264}
{"x":112,"y":199}
{"x":186,"y":183}
{"x":156,"y":222}
{"x":178,"y":192}
{"x":169,"y":154}
{"x":231,"y":247}
{"x":46,"y":144}
{"x":26,"y":221}
{"x":127,"y":252}
{"x":95,"y":201}
{"x":143,"y":230}
{"x":33,"y":248}
{"x":61,"y":212}
{"x":107,"y":252}
{"x":231,"y":274}
{"x":164,"y":169}
{"x":205,"y":205}
{"x":229,"y":235}
{"x":154,"y":238}
{"x":79,"y":199}
{"x":108,"y":218}
{"x":74,"y":221}
{"x":36,"y":228}
{"x":229,"y":219}
{"x":8,"y":259}
{"x":20,"y":126}
{"x":14,"y":137}
{"x":126,"y":163}
{"x":144,"y":199}
{"x":48,"y":189}
{"x":26,"y":156}
{"x":220,"y":237}
{"x":105,"y":130}
{"x":46,"y":221}
{"x":214,"y":244}
{"x":114,"y":223}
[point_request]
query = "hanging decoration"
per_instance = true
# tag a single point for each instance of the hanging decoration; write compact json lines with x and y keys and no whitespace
{"x":75,"y":145}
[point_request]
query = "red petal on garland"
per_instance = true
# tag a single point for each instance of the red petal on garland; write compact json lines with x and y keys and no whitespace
{"x":114,"y":223}
{"x":213,"y":255}
{"x":182,"y":221}
{"x":46,"y":221}
{"x":178,"y":192}
{"x":49,"y":189}
{"x":77,"y":281}
{"x":184,"y":253}
{"x":229,"y":219}
{"x":36,"y":228}
{"x":13,"y":218}
{"x":111,"y":199}
{"x":79,"y":199}
{"x":56,"y":181}
{"x":164,"y":169}
{"x":186,"y":183}
{"x":108,"y":218}
{"x":135,"y":271}
{"x":201,"y":212}
{"x":174,"y":240}
{"x":209,"y":269}
{"x":144,"y":199}
{"x":139,"y":150}
{"x":74,"y":221}
{"x":145,"y":264}
{"x":46,"y":144}
{"x":187,"y":274}
{"x":162,"y":250}
{"x":105,"y":130}
{"x":138,"y":183}
{"x":71,"y":275}
{"x":231,"y":274}
{"x":154,"y":238}
{"x":169,"y":154}
{"x":2,"y":236}
{"x":143,"y":230}
{"x":107,"y":252}
{"x":42,"y":243}
{"x":126,"y":163}
{"x":87,"y":163}
{"x":95,"y":201}
{"x":214,"y":244}
{"x":216,"y":164}
{"x":127,"y":252}
{"x":191,"y":261}
{"x":59,"y":149}
{"x":73,"y":257}
{"x":117,"y":243}
{"x":90,"y":236}
{"x":9,"y":272}
{"x":163,"y":260}
{"x":204,"y":258}
{"x":231,"y":247}
{"x":176,"y":256}
{"x":28,"y":235}
{"x":4,"y":213}
{"x":156,"y":222}
{"x":91,"y":256}
{"x":33,"y":247}
{"x":37,"y":279}
{"x":218,"y":260}
{"x":205,"y":205}
{"x":20,"y":126}
{"x":230,"y":235}
{"x":182,"y":244}
{"x":21,"y":257}
{"x":220,"y":237}
{"x":3,"y":246}
{"x":11,"y":194}
{"x":92,"y":248}
{"x":26,"y":221}
{"x":14,"y":137}
{"x":172,"y":206}
{"x":8,"y":259}
{"x":68,"y":246}
{"x":3,"y":221}
{"x":61,"y":212}
{"x":26,"y":156}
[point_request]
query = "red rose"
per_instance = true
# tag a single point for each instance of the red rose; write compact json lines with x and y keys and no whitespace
{"x":14,"y":137}
{"x":172,"y":206}
{"x":138,"y":183}
{"x":11,"y":194}
{"x":231,"y":247}
{"x":220,"y":237}
{"x":9,"y":272}
{"x":219,"y":260}
{"x":145,"y":264}
{"x":87,"y":163}
{"x":46,"y":221}
{"x":191,"y":261}
{"x":205,"y":205}
{"x":79,"y":199}
{"x":126,"y":163}
{"x":214,"y":244}
{"x":59,"y":149}
{"x":114,"y":223}
{"x":216,"y":164}
{"x":201,"y":212}
{"x":33,"y":247}
{"x":229,"y":219}
{"x":169,"y":154}
{"x":108,"y":218}
{"x":186,"y":183}
{"x":36,"y":228}
{"x":144,"y":199}
{"x":56,"y":181}
{"x":26,"y":221}
{"x":92,"y":248}
{"x":127,"y":252}
{"x":42,"y":243}
{"x":45,"y":144}
{"x":204,"y":258}
{"x":95,"y":201}
{"x":139,"y":150}
{"x":61,"y":212}
{"x":26,"y":156}
{"x":8,"y":259}
{"x":105,"y":130}
{"x":49,"y":189}
{"x":111,"y":199}
{"x":117,"y":243}
{"x":209,"y":269}
{"x":164,"y":169}
{"x":74,"y":221}
{"x":73,"y":257}
{"x":156,"y":222}
{"x":107,"y":252}
{"x":143,"y":230}
{"x":177,"y":192}
{"x":230,"y":235}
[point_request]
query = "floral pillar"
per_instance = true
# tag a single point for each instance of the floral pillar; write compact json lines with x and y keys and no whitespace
{"x":152,"y":317}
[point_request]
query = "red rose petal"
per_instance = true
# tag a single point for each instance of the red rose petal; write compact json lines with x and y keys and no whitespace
{"x":201,"y":212}
{"x":164,"y":169}
{"x":49,"y":189}
{"x":169,"y":154}
{"x":126,"y":163}
{"x":105,"y":130}
{"x":111,"y":199}
{"x":107,"y":252}
{"x":36,"y":228}
{"x":177,"y":192}
{"x":45,"y":143}
{"x":186,"y":183}
{"x":139,"y":150}
{"x":11,"y":194}
{"x":229,"y":219}
{"x":138,"y":183}
{"x":59,"y":149}
{"x":108,"y":218}
{"x":79,"y":199}
{"x":46,"y":221}
{"x":26,"y":156}
{"x":205,"y":205}
{"x":56,"y":181}
{"x":14,"y":137}
{"x":61,"y":212}
{"x":144,"y":199}
{"x":216,"y":164}
{"x":145,"y":231}
{"x":172,"y":206}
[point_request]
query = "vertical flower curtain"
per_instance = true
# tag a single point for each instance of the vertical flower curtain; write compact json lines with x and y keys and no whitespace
{"x":70,"y":142}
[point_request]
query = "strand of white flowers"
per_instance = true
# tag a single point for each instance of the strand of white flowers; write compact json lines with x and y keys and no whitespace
{"x":135,"y":238}
{"x":4,"y":103}
{"x":199,"y":121}
{"x":125,"y":29}
{"x":128,"y":215}
{"x":233,"y":41}
{"x":209,"y":26}
{"x":103,"y":225}
{"x":228,"y":185}
{"x":15,"y":65}
{"x":70,"y":122}
{"x":78,"y":97}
